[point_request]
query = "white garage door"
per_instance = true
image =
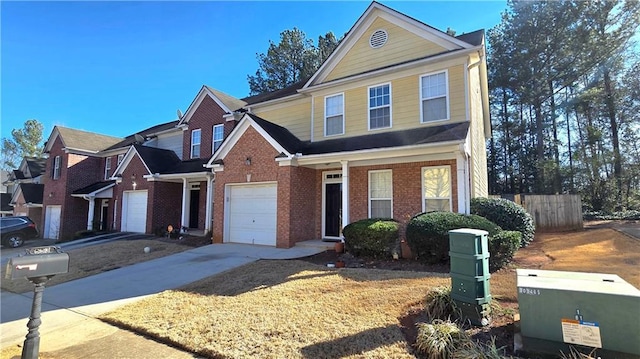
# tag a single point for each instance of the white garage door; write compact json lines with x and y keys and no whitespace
{"x":252,"y":214}
{"x":52,"y":222}
{"x":134,"y":211}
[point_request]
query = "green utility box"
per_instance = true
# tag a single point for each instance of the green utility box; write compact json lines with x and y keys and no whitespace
{"x":585,"y":310}
{"x":469,"y":254}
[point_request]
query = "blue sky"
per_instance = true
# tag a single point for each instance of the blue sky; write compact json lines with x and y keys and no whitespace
{"x":119,"y":67}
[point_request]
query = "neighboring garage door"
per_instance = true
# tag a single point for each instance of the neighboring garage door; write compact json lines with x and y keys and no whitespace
{"x":134,"y":211}
{"x":252,"y":214}
{"x":52,"y":222}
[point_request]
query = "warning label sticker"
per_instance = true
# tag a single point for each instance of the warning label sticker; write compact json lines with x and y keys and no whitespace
{"x":581,"y":332}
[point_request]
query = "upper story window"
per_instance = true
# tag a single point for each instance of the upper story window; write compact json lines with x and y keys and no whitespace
{"x":218,"y":136}
{"x":56,"y":167}
{"x":107,"y":167}
{"x":436,"y":188}
{"x":120,"y":158}
{"x":380,"y":194}
{"x":334,"y":115}
{"x":380,"y":106}
{"x":195,"y":143}
{"x":434,"y":96}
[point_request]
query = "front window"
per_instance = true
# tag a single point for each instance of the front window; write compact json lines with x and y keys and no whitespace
{"x":107,"y":167}
{"x":218,"y":136}
{"x":120,"y":158}
{"x":56,"y":167}
{"x":436,"y":188}
{"x":334,"y":115}
{"x":380,"y":107}
{"x":380,"y":194}
{"x":434,"y":97}
{"x":195,"y":143}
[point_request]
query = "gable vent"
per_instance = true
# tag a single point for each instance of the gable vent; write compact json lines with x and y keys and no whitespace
{"x":378,"y":39}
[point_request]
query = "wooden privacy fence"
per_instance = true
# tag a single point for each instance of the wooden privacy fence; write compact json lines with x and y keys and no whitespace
{"x":561,"y":212}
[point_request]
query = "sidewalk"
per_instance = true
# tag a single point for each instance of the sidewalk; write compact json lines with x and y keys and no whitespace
{"x":68,"y":328}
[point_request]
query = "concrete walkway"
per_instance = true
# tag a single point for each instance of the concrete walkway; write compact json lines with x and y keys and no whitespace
{"x":69,"y":309}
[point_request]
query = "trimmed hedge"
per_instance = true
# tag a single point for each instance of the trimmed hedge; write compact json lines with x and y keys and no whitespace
{"x":428,"y":237}
{"x":502,"y":247}
{"x":428,"y":233}
{"x":506,"y":214}
{"x":374,"y":237}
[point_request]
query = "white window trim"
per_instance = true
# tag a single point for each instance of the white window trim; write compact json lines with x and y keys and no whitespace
{"x":107,"y":167}
{"x":369,"y":108}
{"x":424,"y":199}
{"x":446,"y":95}
{"x":369,"y":191}
{"x":199,"y":143}
{"x":56,"y":167}
{"x":213,"y":137}
{"x":120,"y":158}
{"x":324,"y":130}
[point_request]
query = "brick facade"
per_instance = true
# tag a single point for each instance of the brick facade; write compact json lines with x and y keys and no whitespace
{"x":204,"y":118}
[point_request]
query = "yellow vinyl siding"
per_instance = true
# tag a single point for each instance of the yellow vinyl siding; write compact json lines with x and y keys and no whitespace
{"x":405,"y":102}
{"x":401,"y":46}
{"x":479,"y":180}
{"x":293,"y":115}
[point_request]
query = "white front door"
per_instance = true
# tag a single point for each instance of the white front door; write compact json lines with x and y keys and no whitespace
{"x":251,"y":214}
{"x":52,"y":222}
{"x":134,"y":211}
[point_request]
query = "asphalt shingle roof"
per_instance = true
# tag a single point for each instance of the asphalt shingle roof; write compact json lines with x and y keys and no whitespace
{"x":167,"y":162}
{"x":32,"y":192}
{"x":231,"y":102}
{"x":83,"y":140}
{"x":93,"y":187}
{"x":131,"y":139}
{"x":412,"y":137}
{"x":36,"y":166}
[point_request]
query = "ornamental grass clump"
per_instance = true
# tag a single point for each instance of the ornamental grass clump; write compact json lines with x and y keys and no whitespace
{"x":438,"y":304}
{"x":439,"y":339}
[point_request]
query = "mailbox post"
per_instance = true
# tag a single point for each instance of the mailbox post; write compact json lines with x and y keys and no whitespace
{"x":38,"y":265}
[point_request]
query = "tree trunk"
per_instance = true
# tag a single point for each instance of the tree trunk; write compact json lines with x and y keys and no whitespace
{"x":615,"y":139}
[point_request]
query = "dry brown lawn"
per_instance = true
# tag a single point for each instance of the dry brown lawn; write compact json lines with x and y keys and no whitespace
{"x":295,"y":309}
{"x":286,"y":309}
{"x":95,"y":259}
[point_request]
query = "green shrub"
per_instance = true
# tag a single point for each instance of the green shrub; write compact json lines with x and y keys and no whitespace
{"x":374,"y":237}
{"x":428,"y":233}
{"x":439,"y":339}
{"x":438,"y":304}
{"x":506,"y":214}
{"x":502,"y":247}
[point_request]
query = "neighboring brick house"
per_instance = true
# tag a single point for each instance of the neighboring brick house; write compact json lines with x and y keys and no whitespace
{"x":394,"y":123}
{"x":26,"y":181}
{"x":159,"y":187}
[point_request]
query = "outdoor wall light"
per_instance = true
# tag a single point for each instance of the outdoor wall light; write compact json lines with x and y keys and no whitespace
{"x":134,"y":185}
{"x":248,"y":161}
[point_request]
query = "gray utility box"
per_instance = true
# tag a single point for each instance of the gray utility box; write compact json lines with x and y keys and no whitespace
{"x":586,"y":310}
{"x":38,"y":262}
{"x":469,"y":254}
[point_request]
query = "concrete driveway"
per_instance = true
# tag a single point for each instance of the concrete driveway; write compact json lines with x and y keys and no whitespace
{"x":68,"y":308}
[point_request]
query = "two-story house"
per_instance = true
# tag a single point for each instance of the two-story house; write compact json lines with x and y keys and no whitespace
{"x":394,"y":123}
{"x":27,"y":188}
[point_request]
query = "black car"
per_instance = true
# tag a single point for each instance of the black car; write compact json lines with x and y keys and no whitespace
{"x":15,"y":230}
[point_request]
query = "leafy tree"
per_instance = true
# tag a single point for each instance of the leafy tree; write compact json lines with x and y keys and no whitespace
{"x":293,"y":59}
{"x":25,"y":142}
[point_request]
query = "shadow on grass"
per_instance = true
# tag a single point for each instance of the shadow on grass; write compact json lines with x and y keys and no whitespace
{"x":264,"y":274}
{"x":354,"y":344}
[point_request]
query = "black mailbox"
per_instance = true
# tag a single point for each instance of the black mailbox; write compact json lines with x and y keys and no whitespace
{"x":38,"y":262}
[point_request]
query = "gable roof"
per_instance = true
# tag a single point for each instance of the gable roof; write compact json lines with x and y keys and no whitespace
{"x":375,"y":10}
{"x":36,"y":166}
{"x":161,"y":161}
{"x":79,"y":140}
{"x":226,"y":102}
{"x":32,"y":192}
{"x":287,"y":91}
{"x":475,"y":38}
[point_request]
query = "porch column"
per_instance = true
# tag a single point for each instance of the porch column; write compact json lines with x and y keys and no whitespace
{"x":209,"y":206}
{"x":92,"y":210}
{"x":464,"y":199}
{"x":184,"y":221}
{"x":345,"y":193}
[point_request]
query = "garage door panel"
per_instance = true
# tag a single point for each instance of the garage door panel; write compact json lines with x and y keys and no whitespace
{"x":134,"y":216}
{"x":252,"y":214}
